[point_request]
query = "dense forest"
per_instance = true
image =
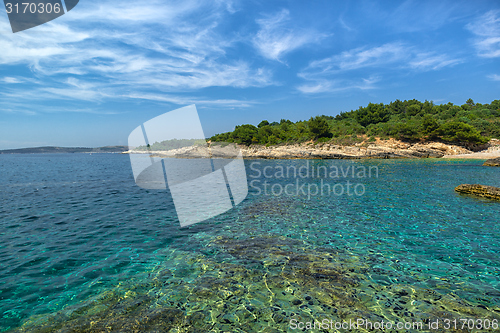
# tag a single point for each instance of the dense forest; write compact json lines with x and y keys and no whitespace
{"x":410,"y":120}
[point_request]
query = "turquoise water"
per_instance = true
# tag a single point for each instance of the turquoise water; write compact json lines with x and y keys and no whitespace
{"x":79,"y":240}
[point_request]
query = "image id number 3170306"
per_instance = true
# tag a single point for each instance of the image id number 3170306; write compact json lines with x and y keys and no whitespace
{"x":32,"y":8}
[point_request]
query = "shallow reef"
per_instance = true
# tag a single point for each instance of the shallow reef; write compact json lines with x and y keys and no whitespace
{"x":258,"y":284}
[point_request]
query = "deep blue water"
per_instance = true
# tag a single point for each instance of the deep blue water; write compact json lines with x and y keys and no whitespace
{"x":74,"y":225}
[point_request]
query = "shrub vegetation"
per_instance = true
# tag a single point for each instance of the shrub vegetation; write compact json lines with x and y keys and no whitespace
{"x":410,"y":120}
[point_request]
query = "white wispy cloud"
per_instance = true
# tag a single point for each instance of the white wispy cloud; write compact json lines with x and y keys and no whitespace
{"x":344,"y":25}
{"x":431,"y":61}
{"x":30,"y":48}
{"x":328,"y":75}
{"x":75,"y":93}
{"x":122,"y":49}
{"x":322,"y":86}
{"x":486,"y":29}
{"x":185,"y":100}
{"x":494,"y":77}
{"x":360,"y":58}
{"x":275,"y":38}
{"x":8,"y":79}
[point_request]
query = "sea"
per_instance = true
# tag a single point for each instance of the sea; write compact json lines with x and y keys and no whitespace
{"x":317,"y":245}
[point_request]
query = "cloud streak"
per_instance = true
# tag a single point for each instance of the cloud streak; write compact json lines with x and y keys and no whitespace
{"x":329,"y":74}
{"x":494,"y":77}
{"x":431,"y":61}
{"x":275,"y":38}
{"x":360,"y":58}
{"x":337,"y":85}
{"x":158,"y":48}
{"x":486,"y":29}
{"x":10,"y":80}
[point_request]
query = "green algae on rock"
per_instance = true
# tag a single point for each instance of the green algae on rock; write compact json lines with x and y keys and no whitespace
{"x":484,"y":191}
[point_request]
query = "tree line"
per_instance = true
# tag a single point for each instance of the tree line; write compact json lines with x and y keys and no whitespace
{"x":409,"y":120}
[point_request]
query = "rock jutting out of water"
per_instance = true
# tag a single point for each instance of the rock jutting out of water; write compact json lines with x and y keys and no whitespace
{"x":492,"y":162}
{"x":483,"y":191}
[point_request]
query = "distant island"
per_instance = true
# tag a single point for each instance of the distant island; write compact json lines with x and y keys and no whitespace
{"x":65,"y":150}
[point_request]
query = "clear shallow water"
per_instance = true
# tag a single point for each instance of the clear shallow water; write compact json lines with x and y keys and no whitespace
{"x":74,"y":226}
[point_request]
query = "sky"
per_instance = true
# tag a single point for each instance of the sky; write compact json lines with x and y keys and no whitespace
{"x":91,"y":76}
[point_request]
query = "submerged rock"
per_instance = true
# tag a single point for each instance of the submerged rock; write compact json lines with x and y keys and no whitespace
{"x":484,"y":191}
{"x":293,"y":281}
{"x":493,"y":162}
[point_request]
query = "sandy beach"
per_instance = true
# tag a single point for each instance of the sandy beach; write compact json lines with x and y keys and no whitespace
{"x":492,"y":152}
{"x":475,"y":156}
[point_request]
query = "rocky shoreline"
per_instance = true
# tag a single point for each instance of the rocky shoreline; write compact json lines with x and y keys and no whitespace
{"x":380,"y":149}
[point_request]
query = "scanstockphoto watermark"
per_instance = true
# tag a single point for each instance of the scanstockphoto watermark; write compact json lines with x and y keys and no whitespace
{"x":446,"y":324}
{"x":170,"y":152}
{"x":310,"y":180}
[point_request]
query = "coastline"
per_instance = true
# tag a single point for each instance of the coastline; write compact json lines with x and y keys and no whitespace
{"x":380,"y":149}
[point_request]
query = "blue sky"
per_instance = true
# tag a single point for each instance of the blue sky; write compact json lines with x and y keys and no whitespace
{"x":91,"y":76}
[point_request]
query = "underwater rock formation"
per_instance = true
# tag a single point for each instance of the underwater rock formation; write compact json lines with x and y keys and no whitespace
{"x":260,"y":284}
